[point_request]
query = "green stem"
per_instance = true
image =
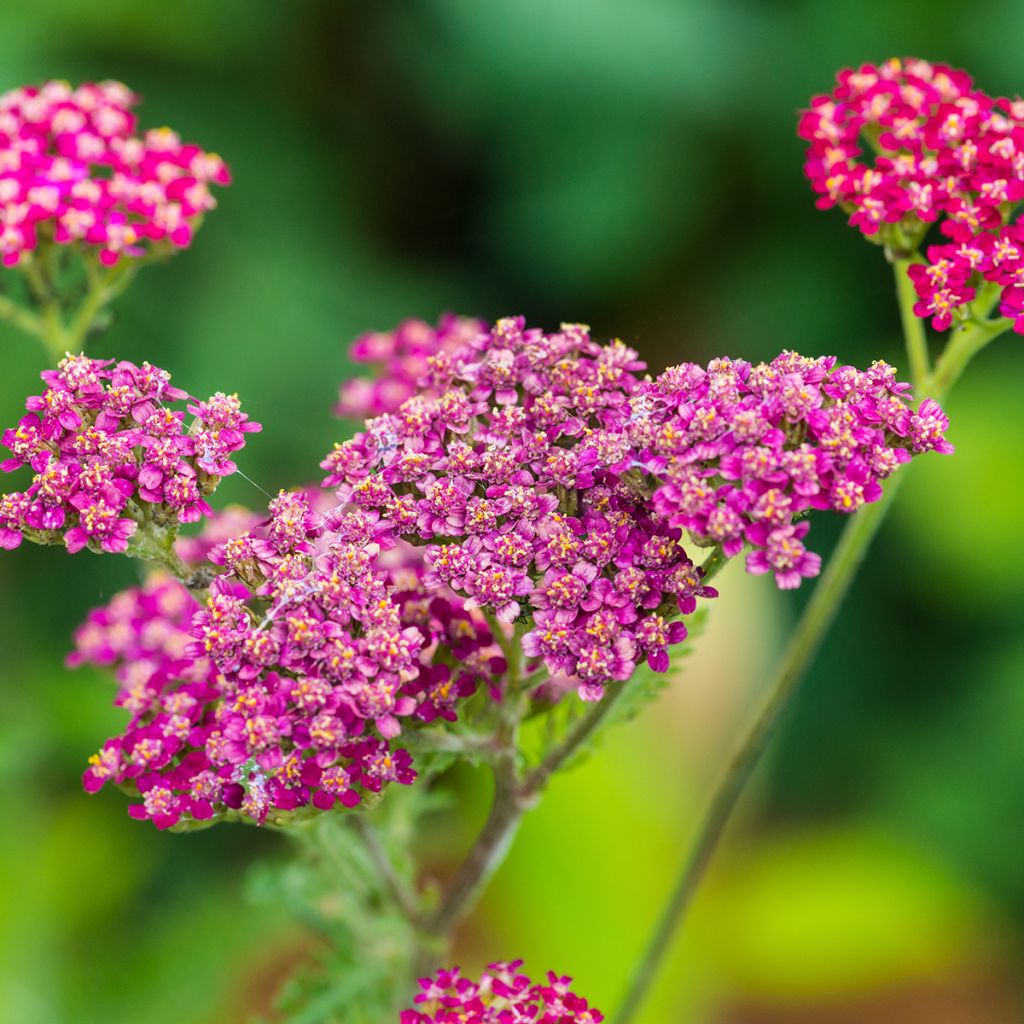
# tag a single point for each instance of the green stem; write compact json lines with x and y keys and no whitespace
{"x":485,"y":857}
{"x":105,"y":285}
{"x":508,"y":805}
{"x":713,"y":564}
{"x":153,"y":543}
{"x":913,"y":326}
{"x":963,"y":346}
{"x":583,"y":730}
{"x":403,"y":896}
{"x":53,"y":335}
{"x":18,"y":316}
{"x":48,"y":326}
{"x":509,"y":645}
{"x":811,"y":630}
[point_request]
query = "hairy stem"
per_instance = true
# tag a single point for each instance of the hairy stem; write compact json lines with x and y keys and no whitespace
{"x":713,"y":564}
{"x":401,"y":894}
{"x":512,"y":798}
{"x":507,"y":806}
{"x":810,"y":631}
{"x":484,"y":858}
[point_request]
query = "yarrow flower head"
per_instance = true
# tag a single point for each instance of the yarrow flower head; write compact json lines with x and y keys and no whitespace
{"x":740,"y":453}
{"x":287,"y":691}
{"x":552,"y":486}
{"x":72,"y":168}
{"x":502,"y":995}
{"x":109,"y":452}
{"x":942,"y":152}
{"x":398,"y":360}
{"x":512,"y":468}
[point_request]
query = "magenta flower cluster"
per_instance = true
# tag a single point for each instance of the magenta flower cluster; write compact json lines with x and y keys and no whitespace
{"x":109,"y":451}
{"x":502,"y":995}
{"x":512,"y":468}
{"x":72,"y":169}
{"x":535,"y":484}
{"x":287,"y":689}
{"x":741,"y":452}
{"x":551,"y":485}
{"x":943,"y":151}
{"x":398,"y":359}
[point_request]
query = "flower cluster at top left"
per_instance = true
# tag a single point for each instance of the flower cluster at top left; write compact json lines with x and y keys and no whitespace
{"x":71,"y":168}
{"x":110,"y":455}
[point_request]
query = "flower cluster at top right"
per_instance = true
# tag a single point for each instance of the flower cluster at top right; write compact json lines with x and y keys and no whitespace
{"x":908,"y":144}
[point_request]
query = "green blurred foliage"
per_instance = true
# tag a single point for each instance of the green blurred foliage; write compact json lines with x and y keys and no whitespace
{"x":630,"y":163}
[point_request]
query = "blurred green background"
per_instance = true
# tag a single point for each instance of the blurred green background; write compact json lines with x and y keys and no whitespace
{"x":632,"y":164}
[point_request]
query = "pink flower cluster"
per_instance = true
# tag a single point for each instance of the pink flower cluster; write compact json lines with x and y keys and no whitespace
{"x":286,"y":690}
{"x":512,"y":467}
{"x":398,"y":359}
{"x":954,"y":273}
{"x":72,"y":168}
{"x":503,"y":995}
{"x":740,"y":452}
{"x":109,"y":452}
{"x":943,"y":152}
{"x":142,"y":633}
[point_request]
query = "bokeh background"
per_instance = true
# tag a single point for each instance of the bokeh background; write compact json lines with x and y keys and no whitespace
{"x":632,"y":164}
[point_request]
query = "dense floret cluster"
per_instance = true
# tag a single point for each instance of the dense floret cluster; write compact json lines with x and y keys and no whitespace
{"x":551,"y":485}
{"x":73,"y":169}
{"x":503,"y":995}
{"x":398,"y":360}
{"x":287,"y":689}
{"x":512,"y":469}
{"x":109,"y":453}
{"x":534,"y":493}
{"x":740,"y":452}
{"x":941,"y":151}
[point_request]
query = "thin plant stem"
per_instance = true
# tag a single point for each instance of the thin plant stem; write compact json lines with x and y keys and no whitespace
{"x":577,"y":736}
{"x":508,"y":804}
{"x":401,"y":893}
{"x":104,"y":286}
{"x":18,"y":316}
{"x":913,"y":326}
{"x":963,"y":346}
{"x":485,"y":857}
{"x":513,"y":797}
{"x":711,"y":565}
{"x":804,"y":643}
{"x":508,"y":643}
{"x":58,"y":335}
{"x":813,"y":626}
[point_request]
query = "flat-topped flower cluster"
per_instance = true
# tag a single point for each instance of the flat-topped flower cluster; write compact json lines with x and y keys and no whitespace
{"x":286,"y":690}
{"x":109,"y":452}
{"x":72,"y":168}
{"x":551,"y":485}
{"x":741,"y":452}
{"x":510,"y":470}
{"x":502,"y":995}
{"x":941,"y":151}
{"x":519,"y":519}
